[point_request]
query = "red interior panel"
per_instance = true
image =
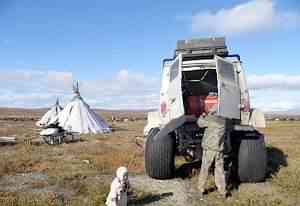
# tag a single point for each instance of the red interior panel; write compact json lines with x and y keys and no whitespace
{"x":198,"y":105}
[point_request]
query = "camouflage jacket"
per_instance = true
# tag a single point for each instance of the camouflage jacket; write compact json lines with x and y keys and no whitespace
{"x":214,"y":135}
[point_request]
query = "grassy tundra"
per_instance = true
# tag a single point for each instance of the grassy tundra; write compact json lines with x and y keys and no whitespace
{"x":282,"y":187}
{"x":80,"y":173}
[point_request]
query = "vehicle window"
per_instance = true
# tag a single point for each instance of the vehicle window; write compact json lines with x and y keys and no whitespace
{"x":226,"y":71}
{"x":174,"y":70}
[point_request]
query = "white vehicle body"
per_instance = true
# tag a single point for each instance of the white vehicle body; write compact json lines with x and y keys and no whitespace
{"x":233,"y":94}
{"x":200,"y":78}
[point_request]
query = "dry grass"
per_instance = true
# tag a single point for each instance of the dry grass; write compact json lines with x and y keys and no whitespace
{"x":105,"y":152}
{"x":90,"y":196}
{"x":86,"y":184}
{"x":282,"y":187}
{"x":64,"y":165}
{"x":284,"y":139}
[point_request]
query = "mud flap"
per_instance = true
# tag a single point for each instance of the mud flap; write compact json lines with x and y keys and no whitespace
{"x":257,"y":119}
{"x":174,"y":124}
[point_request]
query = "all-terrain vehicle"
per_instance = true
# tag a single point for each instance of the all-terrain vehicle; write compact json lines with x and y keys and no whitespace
{"x":203,"y":74}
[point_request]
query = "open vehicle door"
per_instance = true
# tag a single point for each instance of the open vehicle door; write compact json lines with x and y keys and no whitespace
{"x":228,"y":90}
{"x":175,"y":101}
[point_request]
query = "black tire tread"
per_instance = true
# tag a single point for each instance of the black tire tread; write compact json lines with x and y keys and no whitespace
{"x":252,"y":160}
{"x":159,"y":156}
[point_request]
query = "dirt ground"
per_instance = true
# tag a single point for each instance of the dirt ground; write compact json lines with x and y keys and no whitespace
{"x":80,"y":173}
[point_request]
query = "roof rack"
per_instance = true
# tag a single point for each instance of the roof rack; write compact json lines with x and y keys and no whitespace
{"x":202,"y":47}
{"x":205,"y":48}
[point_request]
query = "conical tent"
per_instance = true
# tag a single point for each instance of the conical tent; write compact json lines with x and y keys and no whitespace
{"x":50,"y":115}
{"x":78,"y":117}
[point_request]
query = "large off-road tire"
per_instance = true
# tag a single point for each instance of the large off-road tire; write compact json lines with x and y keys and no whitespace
{"x":160,"y":156}
{"x":252,"y":158}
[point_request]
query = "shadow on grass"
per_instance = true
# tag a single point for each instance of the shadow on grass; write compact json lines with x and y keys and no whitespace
{"x":188,"y":170}
{"x":151,"y":198}
{"x":275,"y":160}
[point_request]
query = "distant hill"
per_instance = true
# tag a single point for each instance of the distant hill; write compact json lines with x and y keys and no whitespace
{"x":289,"y":114}
{"x":295,"y":111}
{"x":123,"y":110}
{"x":36,"y":113}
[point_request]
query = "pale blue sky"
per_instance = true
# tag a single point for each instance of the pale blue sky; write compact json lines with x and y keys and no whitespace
{"x":114,"y":48}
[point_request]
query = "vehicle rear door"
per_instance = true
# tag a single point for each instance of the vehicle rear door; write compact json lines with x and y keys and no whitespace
{"x":175,"y":101}
{"x":228,"y":90}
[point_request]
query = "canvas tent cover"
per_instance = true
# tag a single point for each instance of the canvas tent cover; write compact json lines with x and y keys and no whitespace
{"x":78,"y":117}
{"x":49,"y":116}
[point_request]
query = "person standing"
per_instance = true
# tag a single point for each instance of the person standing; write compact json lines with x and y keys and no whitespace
{"x":213,"y":151}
